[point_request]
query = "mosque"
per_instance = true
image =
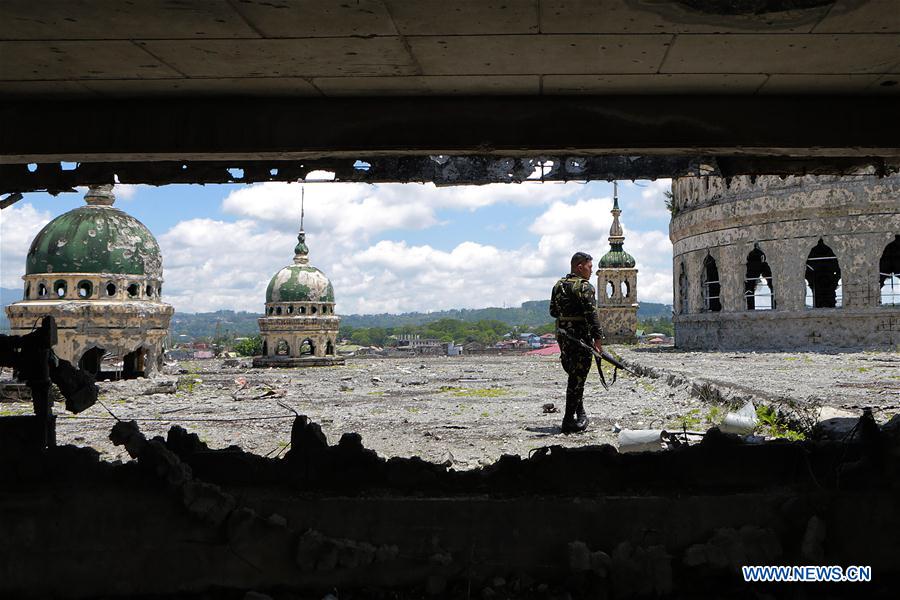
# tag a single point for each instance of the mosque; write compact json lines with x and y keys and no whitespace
{"x":299,"y":327}
{"x":98,"y":272}
{"x":617,"y":303}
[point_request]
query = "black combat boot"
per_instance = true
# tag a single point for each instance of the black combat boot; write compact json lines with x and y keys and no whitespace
{"x":569,"y":423}
{"x":581,"y":418}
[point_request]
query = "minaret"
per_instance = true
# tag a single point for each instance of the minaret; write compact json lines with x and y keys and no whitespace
{"x":617,"y":284}
{"x":301,"y":251}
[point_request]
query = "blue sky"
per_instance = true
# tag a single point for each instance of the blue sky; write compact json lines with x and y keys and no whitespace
{"x":387,"y":247}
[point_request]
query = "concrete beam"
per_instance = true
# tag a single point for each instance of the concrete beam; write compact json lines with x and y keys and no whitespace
{"x":745,"y":135}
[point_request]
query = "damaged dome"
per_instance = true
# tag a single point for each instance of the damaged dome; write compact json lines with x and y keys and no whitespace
{"x":300,"y":282}
{"x":96,"y":238}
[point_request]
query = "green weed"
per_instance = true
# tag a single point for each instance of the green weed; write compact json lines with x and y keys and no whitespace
{"x":480,"y":393}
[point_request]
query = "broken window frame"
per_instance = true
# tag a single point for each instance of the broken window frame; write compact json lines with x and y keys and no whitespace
{"x":889,"y":274}
{"x":712,"y":302}
{"x":813,"y":301}
{"x":753,"y":275}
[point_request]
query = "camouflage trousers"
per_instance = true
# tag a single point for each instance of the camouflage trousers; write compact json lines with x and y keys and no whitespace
{"x":576,"y":361}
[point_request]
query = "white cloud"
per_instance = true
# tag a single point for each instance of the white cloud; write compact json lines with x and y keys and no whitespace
{"x":18,"y":226}
{"x":359,"y":211}
{"x":356,"y":233}
{"x":653,"y":204}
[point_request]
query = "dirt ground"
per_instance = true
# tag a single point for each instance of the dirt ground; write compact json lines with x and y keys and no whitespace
{"x":465,"y":411}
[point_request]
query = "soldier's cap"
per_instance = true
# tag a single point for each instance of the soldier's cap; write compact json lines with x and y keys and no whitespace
{"x":580,"y":257}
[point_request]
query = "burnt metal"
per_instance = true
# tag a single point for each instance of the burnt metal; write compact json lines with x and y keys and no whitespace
{"x":439,"y":169}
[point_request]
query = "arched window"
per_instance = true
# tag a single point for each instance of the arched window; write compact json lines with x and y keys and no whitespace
{"x":110,"y":289}
{"x":682,"y":292}
{"x":91,"y":360}
{"x":758,"y":291}
{"x":626,"y":290}
{"x":329,"y":348}
{"x":282,"y":349}
{"x":302,"y":310}
{"x":290,"y":310}
{"x":149,"y":291}
{"x":27,"y":290}
{"x":313,"y":310}
{"x":889,"y":274}
{"x":610,"y":289}
{"x":823,"y":278}
{"x":85,"y":288}
{"x":134,"y":290}
{"x":709,"y":280}
{"x":307,"y":347}
{"x":133,"y":364}
{"x":59,"y":288}
{"x":278,"y":310}
{"x":42,"y":290}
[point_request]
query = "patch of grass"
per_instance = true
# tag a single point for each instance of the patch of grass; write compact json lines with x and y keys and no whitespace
{"x":485,"y":414}
{"x":647,"y":386}
{"x":450,"y":388}
{"x":864,"y":369}
{"x":412,"y":409}
{"x":480,"y":392}
{"x":689,"y":420}
{"x":715,"y":415}
{"x":186,"y":383}
{"x":14,"y":412}
{"x":375,"y":393}
{"x":791,"y":358}
{"x":773,"y":425}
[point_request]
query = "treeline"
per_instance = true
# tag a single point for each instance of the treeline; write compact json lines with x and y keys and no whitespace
{"x":658,"y":325}
{"x":533,"y":313}
{"x":446,"y":330}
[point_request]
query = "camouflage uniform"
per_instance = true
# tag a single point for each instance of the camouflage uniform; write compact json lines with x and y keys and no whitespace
{"x":573,"y":305}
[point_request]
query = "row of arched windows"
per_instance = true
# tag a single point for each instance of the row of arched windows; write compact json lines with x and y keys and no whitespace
{"x":84,"y":290}
{"x":824,"y":287}
{"x":299,"y":310}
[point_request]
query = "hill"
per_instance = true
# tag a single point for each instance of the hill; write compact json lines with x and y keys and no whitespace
{"x":190,"y":326}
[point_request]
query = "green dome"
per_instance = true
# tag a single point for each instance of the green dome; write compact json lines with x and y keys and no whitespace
{"x":617,"y":258}
{"x":300,"y":283}
{"x":95,"y":239}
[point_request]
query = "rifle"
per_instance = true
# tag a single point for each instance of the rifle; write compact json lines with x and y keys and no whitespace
{"x":598,"y":357}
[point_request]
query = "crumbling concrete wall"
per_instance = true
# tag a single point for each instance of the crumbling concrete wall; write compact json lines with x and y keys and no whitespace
{"x":727,"y":218}
{"x":586,"y":521}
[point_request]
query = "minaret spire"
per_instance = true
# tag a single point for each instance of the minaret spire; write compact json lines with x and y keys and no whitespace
{"x":301,"y":252}
{"x":616,"y":234}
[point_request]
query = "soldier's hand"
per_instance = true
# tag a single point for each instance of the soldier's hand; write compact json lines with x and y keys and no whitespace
{"x":598,"y":346}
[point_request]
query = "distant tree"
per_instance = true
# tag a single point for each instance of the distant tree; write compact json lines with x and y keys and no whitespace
{"x":251,"y":346}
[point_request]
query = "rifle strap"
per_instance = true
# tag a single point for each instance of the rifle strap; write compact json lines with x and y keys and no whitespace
{"x":600,"y":371}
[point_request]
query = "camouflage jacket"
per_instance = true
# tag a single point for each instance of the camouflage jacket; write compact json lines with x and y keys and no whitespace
{"x":573,"y":304}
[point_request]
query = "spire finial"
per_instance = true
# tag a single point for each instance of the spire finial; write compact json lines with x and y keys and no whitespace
{"x":616,"y":235}
{"x":100,"y":195}
{"x":300,"y":250}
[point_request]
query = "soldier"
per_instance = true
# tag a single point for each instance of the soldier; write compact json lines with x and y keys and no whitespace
{"x":573,"y":305}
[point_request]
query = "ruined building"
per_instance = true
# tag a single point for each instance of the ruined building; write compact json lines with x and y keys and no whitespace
{"x":299,"y":327}
{"x":617,"y":285}
{"x":775,"y":263}
{"x":98,"y":272}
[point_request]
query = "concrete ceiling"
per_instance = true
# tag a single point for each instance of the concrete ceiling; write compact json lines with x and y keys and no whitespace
{"x":67,"y":49}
